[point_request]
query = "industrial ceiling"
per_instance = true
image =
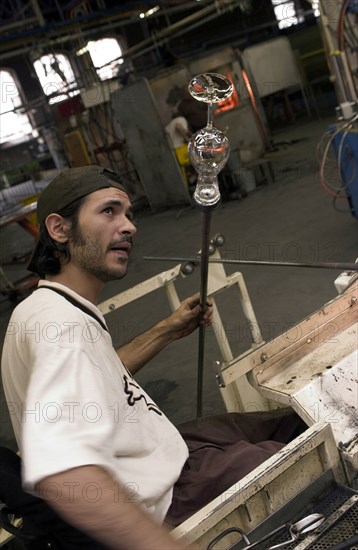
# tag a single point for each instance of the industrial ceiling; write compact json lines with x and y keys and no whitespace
{"x":169,"y":28}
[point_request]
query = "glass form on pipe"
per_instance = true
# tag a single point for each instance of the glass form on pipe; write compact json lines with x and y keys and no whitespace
{"x":209,"y":147}
{"x":208,"y":151}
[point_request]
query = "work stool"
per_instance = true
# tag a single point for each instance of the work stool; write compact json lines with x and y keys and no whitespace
{"x":231,"y":180}
{"x":231,"y":183}
{"x":262,"y":171}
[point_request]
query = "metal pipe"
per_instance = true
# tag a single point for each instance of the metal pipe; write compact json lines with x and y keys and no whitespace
{"x":336,"y":63}
{"x":208,"y":151}
{"x":20,"y":23}
{"x":349,"y":83}
{"x":200,"y":16}
{"x":204,"y":266}
{"x":343,"y":266}
{"x":38,"y":12}
{"x":96,"y":19}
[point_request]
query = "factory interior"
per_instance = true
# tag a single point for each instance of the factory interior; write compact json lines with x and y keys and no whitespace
{"x":98,"y":82}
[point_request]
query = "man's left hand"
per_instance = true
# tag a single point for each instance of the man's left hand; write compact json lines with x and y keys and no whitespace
{"x":189,"y":316}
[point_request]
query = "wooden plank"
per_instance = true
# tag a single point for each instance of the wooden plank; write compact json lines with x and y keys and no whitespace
{"x":140,"y":290}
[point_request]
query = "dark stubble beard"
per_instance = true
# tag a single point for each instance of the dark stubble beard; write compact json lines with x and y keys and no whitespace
{"x":87,"y":254}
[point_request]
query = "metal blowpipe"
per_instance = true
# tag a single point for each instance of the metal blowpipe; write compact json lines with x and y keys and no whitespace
{"x":208,"y":152}
{"x":343,"y":266}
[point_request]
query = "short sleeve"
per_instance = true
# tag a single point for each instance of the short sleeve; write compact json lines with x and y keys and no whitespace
{"x":65,"y":421}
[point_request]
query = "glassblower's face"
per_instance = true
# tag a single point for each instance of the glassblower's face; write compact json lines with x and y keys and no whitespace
{"x":103,"y":238}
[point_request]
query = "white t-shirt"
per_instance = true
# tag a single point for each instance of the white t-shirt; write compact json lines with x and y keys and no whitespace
{"x":73,"y":403}
{"x":175,"y":136}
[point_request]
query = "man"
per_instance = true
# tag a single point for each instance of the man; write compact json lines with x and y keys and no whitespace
{"x":177,"y":130}
{"x":194,"y":112}
{"x":94,"y":446}
{"x":93,"y":443}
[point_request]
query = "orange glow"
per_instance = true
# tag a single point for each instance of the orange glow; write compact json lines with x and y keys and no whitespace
{"x":248,"y":87}
{"x":229,"y":103}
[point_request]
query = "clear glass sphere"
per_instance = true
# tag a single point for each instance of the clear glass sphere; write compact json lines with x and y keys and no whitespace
{"x":208,"y":151}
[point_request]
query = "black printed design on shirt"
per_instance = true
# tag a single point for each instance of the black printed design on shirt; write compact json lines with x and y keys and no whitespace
{"x":133,"y":392}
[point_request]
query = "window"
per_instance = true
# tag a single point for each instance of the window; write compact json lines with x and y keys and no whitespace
{"x":56,"y":76}
{"x":287,"y":14}
{"x":315,"y":7}
{"x":14,"y":124}
{"x":106,"y":56}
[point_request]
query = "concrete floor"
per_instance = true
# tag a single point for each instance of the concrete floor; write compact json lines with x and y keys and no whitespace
{"x":292,"y":219}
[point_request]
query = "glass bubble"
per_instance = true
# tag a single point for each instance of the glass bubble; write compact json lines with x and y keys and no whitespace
{"x":208,"y":151}
{"x":210,"y":87}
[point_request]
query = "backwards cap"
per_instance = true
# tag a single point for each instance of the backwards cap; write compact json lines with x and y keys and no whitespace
{"x":73,"y":184}
{"x":70,"y":185}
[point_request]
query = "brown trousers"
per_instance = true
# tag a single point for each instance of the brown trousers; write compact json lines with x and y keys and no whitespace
{"x":222,"y":450}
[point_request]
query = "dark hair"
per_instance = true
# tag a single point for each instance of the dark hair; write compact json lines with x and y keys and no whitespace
{"x":52,"y":254}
